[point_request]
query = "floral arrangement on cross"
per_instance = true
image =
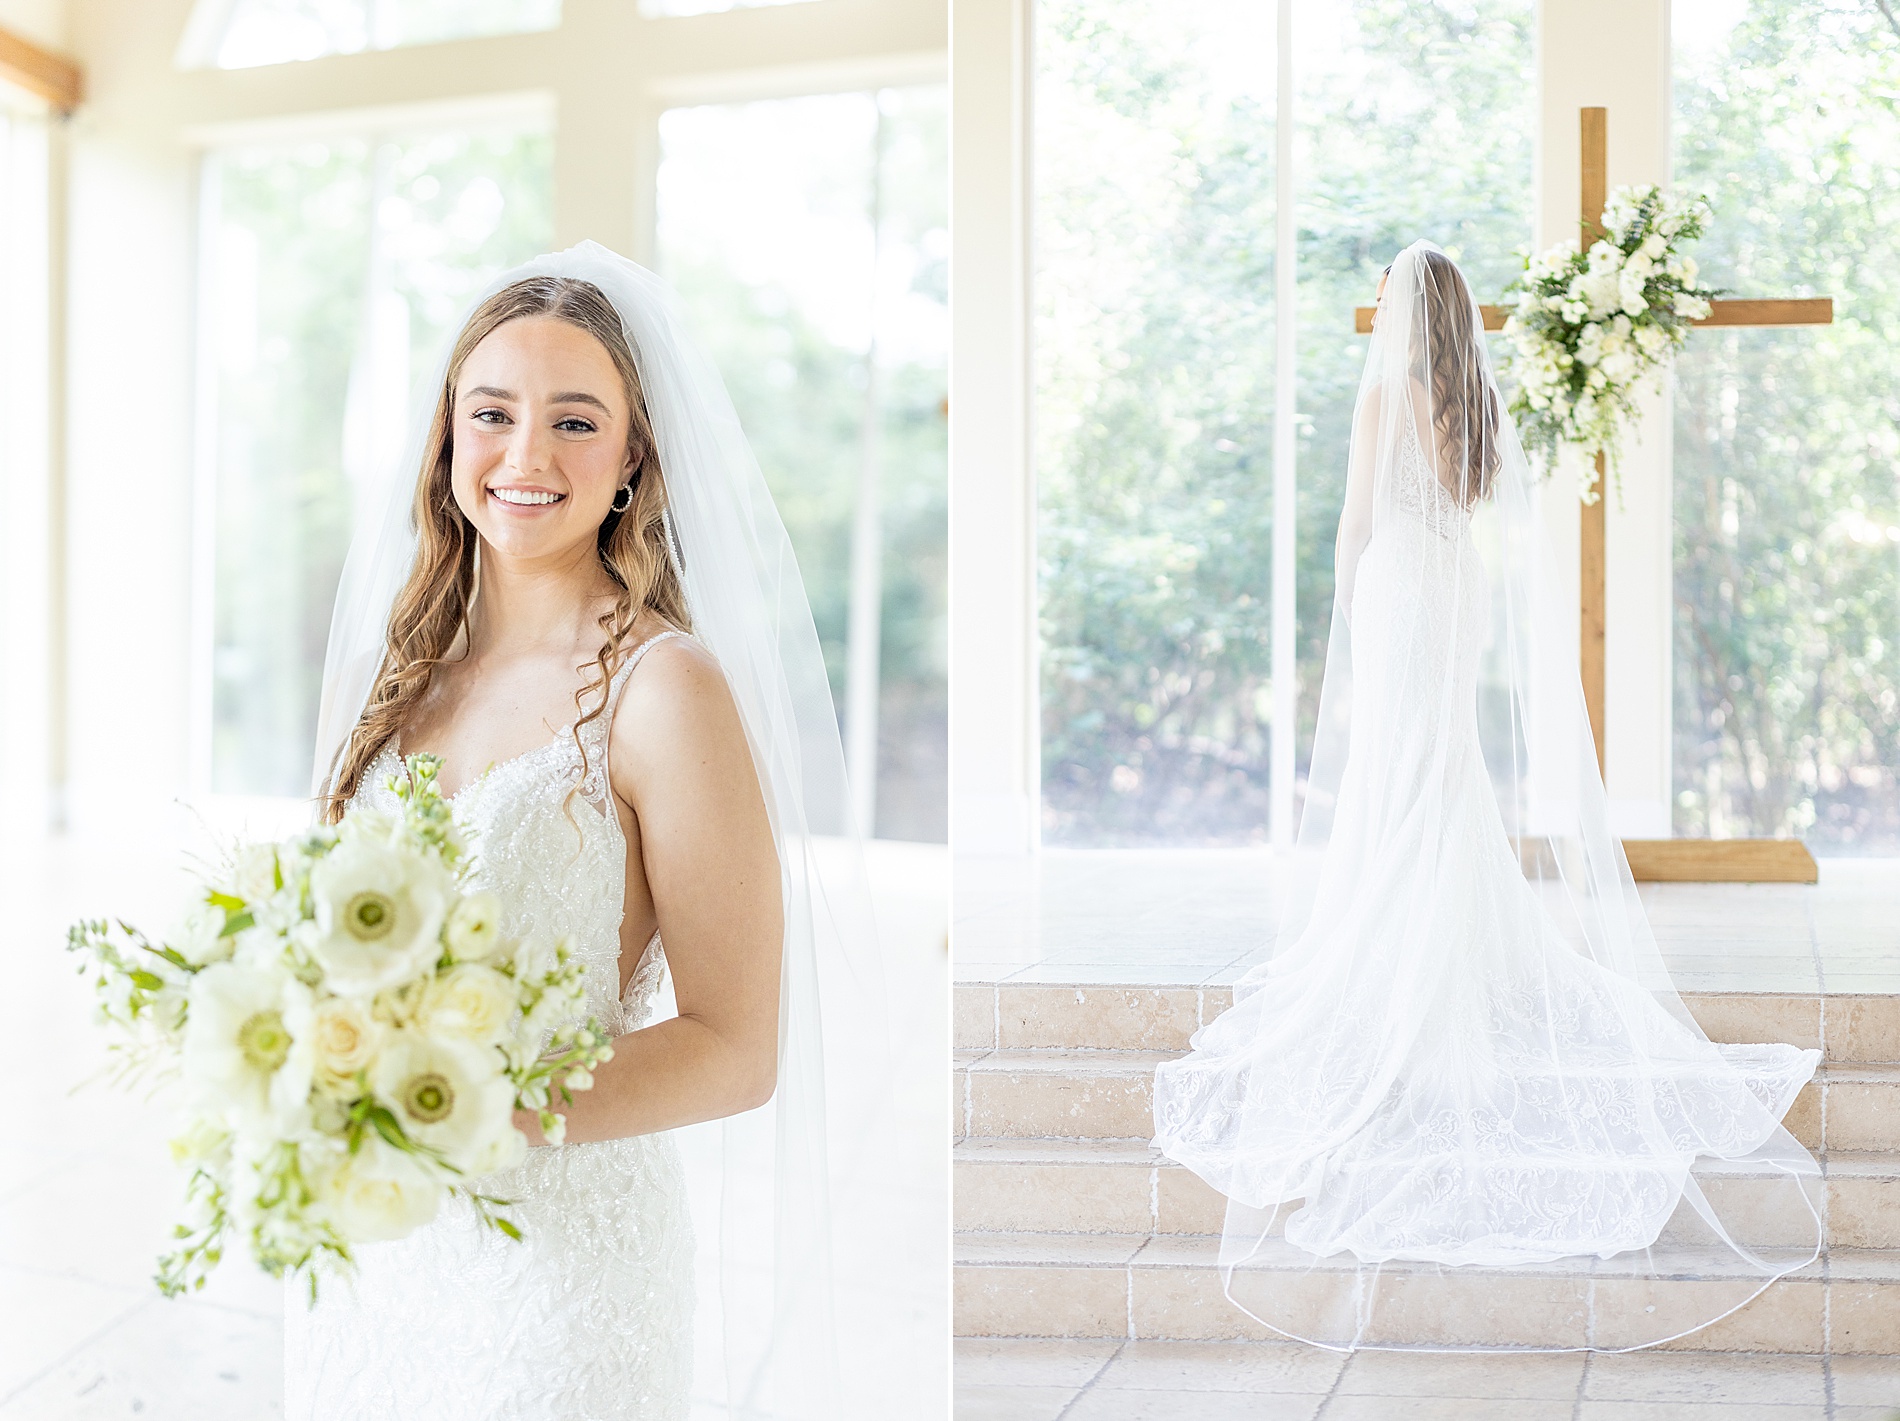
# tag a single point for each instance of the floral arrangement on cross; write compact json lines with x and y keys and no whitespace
{"x":1590,"y":329}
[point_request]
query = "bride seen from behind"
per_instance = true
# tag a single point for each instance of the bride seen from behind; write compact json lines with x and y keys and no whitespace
{"x":582,"y":600}
{"x":1467,"y":1051}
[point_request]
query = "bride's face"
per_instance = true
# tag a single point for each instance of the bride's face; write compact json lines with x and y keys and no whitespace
{"x":540,"y":438}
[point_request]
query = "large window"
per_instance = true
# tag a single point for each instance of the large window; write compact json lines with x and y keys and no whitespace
{"x":334,"y":272}
{"x":809,"y":236}
{"x":239,"y":34}
{"x":1787,"y":455}
{"x":1157,"y":379}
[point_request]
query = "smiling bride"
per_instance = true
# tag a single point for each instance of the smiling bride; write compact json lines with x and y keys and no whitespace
{"x":586,"y":606}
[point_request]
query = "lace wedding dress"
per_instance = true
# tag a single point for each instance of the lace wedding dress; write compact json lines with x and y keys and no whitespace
{"x":1467,"y":1050}
{"x":590,"y":1318}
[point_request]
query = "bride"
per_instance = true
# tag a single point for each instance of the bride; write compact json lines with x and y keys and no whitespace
{"x":1466,"y":1051}
{"x":585,"y":604}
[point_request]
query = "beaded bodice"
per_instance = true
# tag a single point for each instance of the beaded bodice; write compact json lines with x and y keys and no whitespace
{"x":548,"y":843}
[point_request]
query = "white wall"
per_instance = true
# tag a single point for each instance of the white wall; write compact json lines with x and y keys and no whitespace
{"x":994,"y":747}
{"x":1614,"y":54}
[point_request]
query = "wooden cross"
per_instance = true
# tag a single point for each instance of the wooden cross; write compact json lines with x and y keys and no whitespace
{"x":1691,"y":860}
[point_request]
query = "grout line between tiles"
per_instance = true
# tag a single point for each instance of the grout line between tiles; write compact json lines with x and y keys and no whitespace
{"x":1089,"y":1385}
{"x":75,"y":1350}
{"x":1583,"y":1378}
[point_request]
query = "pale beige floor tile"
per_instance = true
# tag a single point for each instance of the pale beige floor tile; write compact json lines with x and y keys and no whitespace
{"x":1696,"y":1411}
{"x":1867,"y":1381}
{"x":1549,"y":1375}
{"x":1706,"y":1377}
{"x":1100,"y":1403}
{"x":1865,"y":1413}
{"x":1447,"y":1408}
{"x":167,"y":1361}
{"x":1010,"y":1403}
{"x":1257,"y":1368}
{"x":1030,"y":1361}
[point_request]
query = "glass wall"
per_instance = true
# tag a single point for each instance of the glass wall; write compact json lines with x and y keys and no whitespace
{"x":334,"y":273}
{"x":278,"y":31}
{"x":1156,"y":378}
{"x":1787,"y":455}
{"x":809,"y":236}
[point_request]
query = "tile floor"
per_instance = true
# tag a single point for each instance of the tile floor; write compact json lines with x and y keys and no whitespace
{"x":87,"y":1188}
{"x":1003,"y":1380}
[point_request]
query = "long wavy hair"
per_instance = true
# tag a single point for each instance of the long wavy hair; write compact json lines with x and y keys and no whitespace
{"x":1450,"y":347}
{"x":431,"y":612}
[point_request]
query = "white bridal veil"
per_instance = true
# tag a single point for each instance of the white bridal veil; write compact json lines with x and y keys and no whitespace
{"x":1466,"y":1051}
{"x":759,"y":1182}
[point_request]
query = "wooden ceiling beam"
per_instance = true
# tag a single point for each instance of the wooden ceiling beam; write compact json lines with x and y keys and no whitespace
{"x":51,"y":76}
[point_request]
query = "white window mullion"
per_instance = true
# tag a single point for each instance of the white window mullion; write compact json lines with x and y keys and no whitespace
{"x":1285,"y":411}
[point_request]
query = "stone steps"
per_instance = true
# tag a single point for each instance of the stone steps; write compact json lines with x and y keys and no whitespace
{"x":1071,"y":1226}
{"x":1124,"y":1187}
{"x":1143,"y":1286}
{"x":1109,"y":1095}
{"x":1848,"y":1027}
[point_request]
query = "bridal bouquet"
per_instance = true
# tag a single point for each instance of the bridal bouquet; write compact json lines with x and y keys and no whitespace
{"x":1589,"y":328}
{"x":352,"y":1034}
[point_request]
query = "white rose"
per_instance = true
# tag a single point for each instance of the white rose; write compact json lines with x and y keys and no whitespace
{"x":474,"y":928}
{"x":378,"y":1193}
{"x":468,"y":1003}
{"x":196,"y":937}
{"x":379,"y":913}
{"x":246,"y":1052}
{"x":1654,"y":246}
{"x":450,"y":1096}
{"x":344,"y":1039}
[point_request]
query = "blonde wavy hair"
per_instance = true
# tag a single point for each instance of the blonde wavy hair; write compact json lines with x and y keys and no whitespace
{"x":431,"y":611}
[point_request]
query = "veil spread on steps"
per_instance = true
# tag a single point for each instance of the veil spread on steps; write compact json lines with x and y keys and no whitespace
{"x":1466,"y":1051}
{"x":774,"y":1254}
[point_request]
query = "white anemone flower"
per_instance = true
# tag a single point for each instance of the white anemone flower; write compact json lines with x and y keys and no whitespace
{"x":378,"y":1193}
{"x":452,"y":1097}
{"x":379,"y":913}
{"x":247,"y":1052}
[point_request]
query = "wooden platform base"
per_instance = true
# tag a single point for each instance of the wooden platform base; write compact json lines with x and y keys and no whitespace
{"x":1721,"y":861}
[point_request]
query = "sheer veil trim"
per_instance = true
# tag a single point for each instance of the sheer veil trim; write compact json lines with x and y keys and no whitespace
{"x":1466,"y":1050}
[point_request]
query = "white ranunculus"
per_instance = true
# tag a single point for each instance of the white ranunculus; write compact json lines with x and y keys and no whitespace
{"x":247,"y":1051}
{"x":448,"y":1095}
{"x":474,"y":928}
{"x":344,"y":1039}
{"x":196,"y":937}
{"x":469,"y":1002}
{"x":379,"y":912}
{"x":378,"y":1193}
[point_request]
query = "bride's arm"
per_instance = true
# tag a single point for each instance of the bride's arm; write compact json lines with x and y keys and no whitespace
{"x":1355,"y":517}
{"x":678,"y":757}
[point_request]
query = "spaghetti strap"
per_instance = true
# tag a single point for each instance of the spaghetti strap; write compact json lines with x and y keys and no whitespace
{"x":614,"y":692}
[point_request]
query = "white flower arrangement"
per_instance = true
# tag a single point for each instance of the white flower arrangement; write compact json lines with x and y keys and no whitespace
{"x":352,"y":1033}
{"x":1589,"y":329}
